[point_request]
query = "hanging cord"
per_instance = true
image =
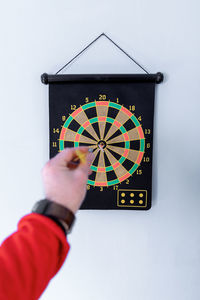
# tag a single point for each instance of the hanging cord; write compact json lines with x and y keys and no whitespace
{"x":103,"y":34}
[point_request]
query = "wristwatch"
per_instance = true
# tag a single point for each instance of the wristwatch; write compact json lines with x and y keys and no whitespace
{"x":57,"y":212}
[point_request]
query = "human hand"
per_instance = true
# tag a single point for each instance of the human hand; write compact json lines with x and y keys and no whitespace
{"x":63,"y":185}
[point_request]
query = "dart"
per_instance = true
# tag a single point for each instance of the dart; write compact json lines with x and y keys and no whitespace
{"x":101,"y":146}
{"x":80,"y":157}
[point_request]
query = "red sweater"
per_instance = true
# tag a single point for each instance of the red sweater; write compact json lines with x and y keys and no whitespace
{"x":30,"y":257}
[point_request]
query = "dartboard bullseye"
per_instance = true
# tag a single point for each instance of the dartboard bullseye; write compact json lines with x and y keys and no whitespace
{"x":115,"y":135}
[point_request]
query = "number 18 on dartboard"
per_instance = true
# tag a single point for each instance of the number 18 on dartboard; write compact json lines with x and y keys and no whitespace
{"x":112,"y":115}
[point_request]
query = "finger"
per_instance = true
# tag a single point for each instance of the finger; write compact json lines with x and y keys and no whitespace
{"x":89,"y":172}
{"x":86,"y":164}
{"x":83,"y":169}
{"x":90,"y":158}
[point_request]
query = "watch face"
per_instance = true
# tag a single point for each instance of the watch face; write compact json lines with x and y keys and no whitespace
{"x":40,"y":206}
{"x":58,"y":213}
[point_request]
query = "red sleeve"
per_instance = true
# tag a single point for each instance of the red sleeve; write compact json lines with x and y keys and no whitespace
{"x":30,"y":257}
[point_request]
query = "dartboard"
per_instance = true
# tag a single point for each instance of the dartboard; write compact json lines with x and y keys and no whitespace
{"x":114,"y":134}
{"x":112,"y":115}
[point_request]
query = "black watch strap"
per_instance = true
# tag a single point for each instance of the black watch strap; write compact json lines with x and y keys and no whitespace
{"x":57,"y":212}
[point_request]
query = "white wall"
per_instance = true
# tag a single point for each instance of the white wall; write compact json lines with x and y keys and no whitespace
{"x":121,"y":255}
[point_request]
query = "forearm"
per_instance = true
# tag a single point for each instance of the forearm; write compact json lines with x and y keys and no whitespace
{"x":30,"y":257}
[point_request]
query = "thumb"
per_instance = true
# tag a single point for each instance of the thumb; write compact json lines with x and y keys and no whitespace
{"x":85,"y":165}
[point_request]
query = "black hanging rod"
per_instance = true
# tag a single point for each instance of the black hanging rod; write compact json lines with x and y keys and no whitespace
{"x":48,"y":78}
